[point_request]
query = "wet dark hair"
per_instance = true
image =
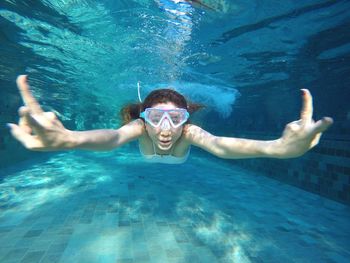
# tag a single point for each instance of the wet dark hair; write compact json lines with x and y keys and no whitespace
{"x":132,"y":111}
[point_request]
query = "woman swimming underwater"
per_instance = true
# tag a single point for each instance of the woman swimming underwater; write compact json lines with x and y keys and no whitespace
{"x":161,"y":126}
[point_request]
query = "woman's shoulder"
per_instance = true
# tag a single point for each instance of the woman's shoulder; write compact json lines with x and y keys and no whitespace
{"x":190,"y":130}
{"x":139,"y":123}
{"x":136,"y":126}
{"x":193,"y":133}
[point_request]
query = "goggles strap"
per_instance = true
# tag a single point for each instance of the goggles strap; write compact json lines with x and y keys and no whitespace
{"x":138,"y":91}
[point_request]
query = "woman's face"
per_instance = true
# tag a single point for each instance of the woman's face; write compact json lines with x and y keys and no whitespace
{"x":164,"y":138}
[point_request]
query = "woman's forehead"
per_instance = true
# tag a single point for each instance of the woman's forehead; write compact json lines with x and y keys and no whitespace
{"x":165,"y":106}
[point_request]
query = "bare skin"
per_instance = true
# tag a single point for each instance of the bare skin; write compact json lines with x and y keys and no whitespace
{"x":42,"y":131}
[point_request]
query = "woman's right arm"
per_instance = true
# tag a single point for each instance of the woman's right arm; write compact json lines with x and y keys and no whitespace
{"x":102,"y":140}
{"x":42,"y":131}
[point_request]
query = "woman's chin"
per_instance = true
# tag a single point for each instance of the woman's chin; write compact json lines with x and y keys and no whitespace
{"x":165,"y":146}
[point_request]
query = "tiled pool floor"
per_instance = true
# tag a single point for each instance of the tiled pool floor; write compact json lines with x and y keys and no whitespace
{"x":82,"y":207}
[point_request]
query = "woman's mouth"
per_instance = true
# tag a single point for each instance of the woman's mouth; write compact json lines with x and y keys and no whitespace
{"x":165,"y":142}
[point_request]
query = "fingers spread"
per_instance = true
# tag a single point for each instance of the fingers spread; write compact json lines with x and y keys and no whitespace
{"x":29,"y":141}
{"x":307,"y":109}
{"x":50,"y":115}
{"x":27,"y":96}
{"x":24,"y":125}
{"x":322,"y":125}
{"x":316,"y":139}
{"x":18,"y":133}
{"x":23,"y":111}
{"x":29,"y":122}
{"x":23,"y":122}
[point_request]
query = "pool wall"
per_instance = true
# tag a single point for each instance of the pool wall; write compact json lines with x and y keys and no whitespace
{"x":325,"y":170}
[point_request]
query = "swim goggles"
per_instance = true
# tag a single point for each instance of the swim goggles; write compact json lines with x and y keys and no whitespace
{"x":155,"y":116}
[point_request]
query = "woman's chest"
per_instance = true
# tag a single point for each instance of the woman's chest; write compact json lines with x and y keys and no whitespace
{"x":149,"y":147}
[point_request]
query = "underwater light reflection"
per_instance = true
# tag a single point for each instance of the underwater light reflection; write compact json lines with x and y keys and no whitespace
{"x":215,"y":228}
{"x":24,"y":190}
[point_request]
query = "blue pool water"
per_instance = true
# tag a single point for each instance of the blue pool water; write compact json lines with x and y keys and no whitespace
{"x":244,"y":60}
{"x":76,"y":207}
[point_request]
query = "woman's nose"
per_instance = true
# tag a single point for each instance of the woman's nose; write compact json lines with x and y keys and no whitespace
{"x":165,"y":125}
{"x":165,"y":134}
{"x":165,"y":129}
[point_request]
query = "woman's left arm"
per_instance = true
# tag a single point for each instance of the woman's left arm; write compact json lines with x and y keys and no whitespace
{"x":298,"y":137}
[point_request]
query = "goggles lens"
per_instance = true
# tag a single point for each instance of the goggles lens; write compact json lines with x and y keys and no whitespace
{"x":155,"y":116}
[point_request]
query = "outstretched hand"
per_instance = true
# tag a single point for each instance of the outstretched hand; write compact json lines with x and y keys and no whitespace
{"x":302,"y":135}
{"x":37,"y":130}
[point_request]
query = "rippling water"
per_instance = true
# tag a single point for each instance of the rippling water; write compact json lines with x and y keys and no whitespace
{"x":245,"y":60}
{"x":98,"y":50}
